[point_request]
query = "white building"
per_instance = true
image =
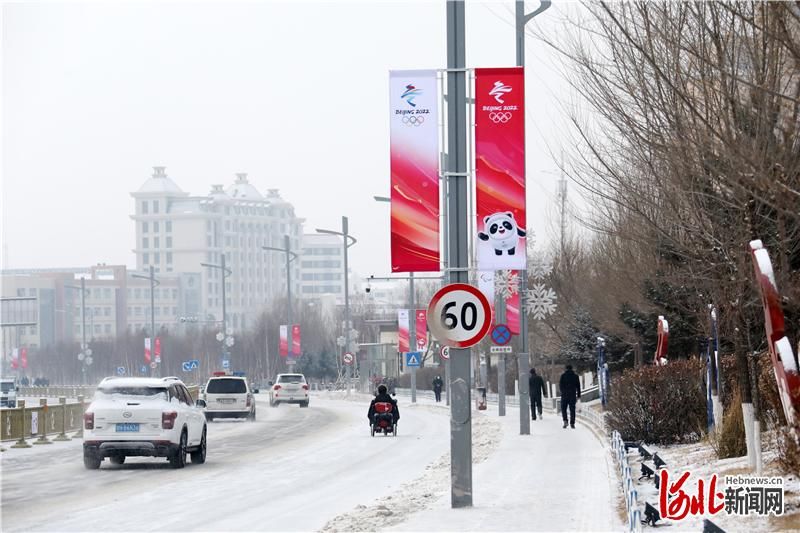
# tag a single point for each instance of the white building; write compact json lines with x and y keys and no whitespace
{"x":322,"y":268}
{"x":176,"y":232}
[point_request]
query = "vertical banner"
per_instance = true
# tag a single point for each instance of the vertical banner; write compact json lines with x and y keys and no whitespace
{"x":296,"y":340}
{"x":147,"y":350}
{"x":15,"y":358}
{"x":512,"y":314}
{"x":157,"y":350}
{"x":414,"y":153}
{"x":486,"y":286}
{"x":500,"y":168}
{"x":284,"y":340}
{"x":421,"y":330}
{"x":402,"y":331}
{"x":23,"y":357}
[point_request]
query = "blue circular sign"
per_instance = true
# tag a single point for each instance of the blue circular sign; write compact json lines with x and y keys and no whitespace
{"x":501,"y":334}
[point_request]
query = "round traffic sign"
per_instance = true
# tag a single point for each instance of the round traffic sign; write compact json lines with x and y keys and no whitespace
{"x":444,"y":352}
{"x":153,"y":364}
{"x":501,"y":335}
{"x":348,"y":358}
{"x":459,"y":315}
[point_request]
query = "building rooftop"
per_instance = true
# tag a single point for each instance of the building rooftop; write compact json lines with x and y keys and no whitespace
{"x":160,"y":183}
{"x":243,"y":189}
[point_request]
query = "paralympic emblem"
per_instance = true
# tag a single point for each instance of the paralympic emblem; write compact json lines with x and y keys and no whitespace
{"x":500,"y":118}
{"x":410,"y":93}
{"x":499,"y":90}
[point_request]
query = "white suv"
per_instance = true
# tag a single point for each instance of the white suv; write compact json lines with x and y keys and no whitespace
{"x":289,"y":388}
{"x":229,"y":396}
{"x":143,"y":417}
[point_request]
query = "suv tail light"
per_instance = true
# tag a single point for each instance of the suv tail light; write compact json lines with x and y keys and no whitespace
{"x":248,"y":401}
{"x":305,"y":387}
{"x":276,"y":387}
{"x":168,"y":419}
{"x":88,"y":421}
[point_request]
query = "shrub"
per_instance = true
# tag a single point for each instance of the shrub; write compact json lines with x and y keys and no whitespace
{"x":662,"y":405}
{"x":730,"y":440}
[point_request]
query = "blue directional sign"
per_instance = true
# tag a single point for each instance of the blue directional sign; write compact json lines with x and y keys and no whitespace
{"x":185,"y":366}
{"x":121,"y":370}
{"x":413,"y":359}
{"x":143,"y":369}
{"x":188,"y":366}
{"x":226,"y":363}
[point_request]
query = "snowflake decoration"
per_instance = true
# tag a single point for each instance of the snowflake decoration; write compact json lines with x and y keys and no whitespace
{"x":540,"y":301}
{"x":506,"y":283}
{"x":539,"y":265}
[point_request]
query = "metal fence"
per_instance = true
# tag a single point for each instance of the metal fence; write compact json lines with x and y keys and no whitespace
{"x":628,"y":483}
{"x":26,"y":422}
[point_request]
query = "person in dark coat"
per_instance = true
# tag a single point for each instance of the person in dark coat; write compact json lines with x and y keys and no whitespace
{"x":383,"y":396}
{"x":570,"y":387}
{"x":536,"y":388}
{"x":438,"y":382}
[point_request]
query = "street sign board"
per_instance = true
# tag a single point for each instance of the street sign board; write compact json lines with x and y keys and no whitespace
{"x":226,"y":363}
{"x":347,"y":358}
{"x":501,"y":335}
{"x":120,"y":370}
{"x":444,"y":352}
{"x":459,"y":315}
{"x":413,"y":359}
{"x":500,"y":349}
{"x":143,"y":369}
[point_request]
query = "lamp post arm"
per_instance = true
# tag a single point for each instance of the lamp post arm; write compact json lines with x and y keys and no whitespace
{"x":542,"y":7}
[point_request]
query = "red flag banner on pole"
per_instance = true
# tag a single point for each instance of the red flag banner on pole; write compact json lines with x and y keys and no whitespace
{"x":296,"y":340}
{"x":402,"y":331}
{"x":157,"y":350}
{"x":414,"y":153}
{"x":512,"y":313}
{"x":421,"y":329}
{"x":15,"y":358}
{"x":23,"y":357}
{"x":284,"y":340}
{"x":500,"y":168}
{"x":147,"y":350}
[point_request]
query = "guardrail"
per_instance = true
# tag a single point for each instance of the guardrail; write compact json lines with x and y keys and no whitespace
{"x":631,"y":504}
{"x":87,"y":391}
{"x":23,"y":422}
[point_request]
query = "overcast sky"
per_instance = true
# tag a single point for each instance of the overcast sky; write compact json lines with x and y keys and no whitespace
{"x":293,"y":93}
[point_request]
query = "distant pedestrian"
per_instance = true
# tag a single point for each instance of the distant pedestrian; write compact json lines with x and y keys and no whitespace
{"x":536,"y":389}
{"x":437,"y":387}
{"x":570,"y":387}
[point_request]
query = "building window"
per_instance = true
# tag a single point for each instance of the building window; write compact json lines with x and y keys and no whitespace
{"x":156,"y":243}
{"x":166,"y":311}
{"x":157,"y":311}
{"x":169,"y":242}
{"x":168,"y":226}
{"x":97,"y":329}
{"x":147,"y":293}
{"x":144,"y":207}
{"x":107,"y":329}
{"x":33,"y":330}
{"x":145,"y":258}
{"x":175,"y":311}
{"x":107,"y":294}
{"x":169,"y":258}
{"x":157,"y":258}
{"x":106,"y":311}
{"x":155,"y":227}
{"x":155,"y":206}
{"x":208,"y":241}
{"x":77,"y":330}
{"x":174,"y":294}
{"x":21,"y":292}
{"x":145,"y":227}
{"x":138,"y":311}
{"x":145,"y":242}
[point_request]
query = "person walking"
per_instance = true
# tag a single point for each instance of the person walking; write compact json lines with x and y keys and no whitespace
{"x":570,"y":387}
{"x":536,"y":388}
{"x":437,"y":388}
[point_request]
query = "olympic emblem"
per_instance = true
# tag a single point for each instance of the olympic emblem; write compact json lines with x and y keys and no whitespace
{"x":413,"y":120}
{"x":500,"y":118}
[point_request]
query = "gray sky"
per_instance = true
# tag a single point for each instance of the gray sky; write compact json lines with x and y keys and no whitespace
{"x":293,"y":93}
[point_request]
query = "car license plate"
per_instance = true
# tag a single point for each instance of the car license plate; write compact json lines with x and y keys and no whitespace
{"x":226,"y":400}
{"x":127,"y":428}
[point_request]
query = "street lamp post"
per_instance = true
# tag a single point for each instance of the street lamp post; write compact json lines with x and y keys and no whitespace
{"x":347,"y":245}
{"x":153,"y":284}
{"x":290,"y":256}
{"x":85,"y":356}
{"x":523,"y":358}
{"x":225,"y":273}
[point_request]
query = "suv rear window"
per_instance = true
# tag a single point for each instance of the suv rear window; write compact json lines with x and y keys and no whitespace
{"x":6,"y":386}
{"x":140,"y":393}
{"x":226,"y":386}
{"x":291,"y":378}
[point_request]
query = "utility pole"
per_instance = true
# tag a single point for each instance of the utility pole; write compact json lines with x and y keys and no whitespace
{"x":412,"y":333}
{"x":83,"y":327}
{"x":456,"y":176}
{"x":223,"y":336}
{"x":523,"y":358}
{"x":153,"y":284}
{"x":290,"y":256}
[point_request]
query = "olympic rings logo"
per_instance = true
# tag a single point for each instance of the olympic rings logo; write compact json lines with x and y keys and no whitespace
{"x":413,"y":120}
{"x":500,"y":118}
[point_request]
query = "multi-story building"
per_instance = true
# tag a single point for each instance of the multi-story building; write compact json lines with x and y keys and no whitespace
{"x":322,"y":268}
{"x":176,"y":232}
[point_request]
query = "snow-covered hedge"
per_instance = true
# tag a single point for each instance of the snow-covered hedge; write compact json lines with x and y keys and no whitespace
{"x":663,"y":405}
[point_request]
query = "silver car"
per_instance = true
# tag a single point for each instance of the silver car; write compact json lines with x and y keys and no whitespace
{"x":289,"y":388}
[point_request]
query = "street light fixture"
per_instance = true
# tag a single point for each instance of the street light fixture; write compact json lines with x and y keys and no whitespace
{"x":347,"y":245}
{"x":227,"y":341}
{"x":290,"y":256}
{"x":153,"y":284}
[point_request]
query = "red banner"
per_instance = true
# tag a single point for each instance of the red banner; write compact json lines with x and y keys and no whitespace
{"x":157,"y":351}
{"x":414,"y":154}
{"x":296,"y":340}
{"x":500,"y":168}
{"x":15,"y":358}
{"x":402,"y":331}
{"x":147,"y":350}
{"x":512,"y":313}
{"x":421,"y":329}
{"x":23,"y":357}
{"x":284,"y":341}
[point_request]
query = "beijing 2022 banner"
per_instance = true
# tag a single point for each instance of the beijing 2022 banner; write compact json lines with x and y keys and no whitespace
{"x":284,"y":340}
{"x":500,"y":168}
{"x":402,"y":331}
{"x":414,"y":134}
{"x":421,"y":329}
{"x":296,"y":340}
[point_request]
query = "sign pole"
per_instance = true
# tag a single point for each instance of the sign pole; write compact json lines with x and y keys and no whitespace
{"x":501,"y":363}
{"x":412,"y":332}
{"x":458,"y":242}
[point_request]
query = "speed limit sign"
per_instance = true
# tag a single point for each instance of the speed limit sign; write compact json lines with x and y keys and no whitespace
{"x":459,"y":315}
{"x":445,"y":352}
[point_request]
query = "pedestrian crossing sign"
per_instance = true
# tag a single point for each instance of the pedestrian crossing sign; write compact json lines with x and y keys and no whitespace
{"x":413,"y":359}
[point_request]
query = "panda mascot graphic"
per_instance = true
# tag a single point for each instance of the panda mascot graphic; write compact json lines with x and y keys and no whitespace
{"x":502,"y":232}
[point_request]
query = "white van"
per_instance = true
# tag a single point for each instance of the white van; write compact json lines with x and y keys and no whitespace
{"x":8,"y":392}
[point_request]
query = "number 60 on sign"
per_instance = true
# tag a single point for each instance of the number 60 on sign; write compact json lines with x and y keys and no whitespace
{"x":459,"y":315}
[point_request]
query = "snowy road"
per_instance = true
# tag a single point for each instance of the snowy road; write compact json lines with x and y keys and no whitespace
{"x":292,"y":470}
